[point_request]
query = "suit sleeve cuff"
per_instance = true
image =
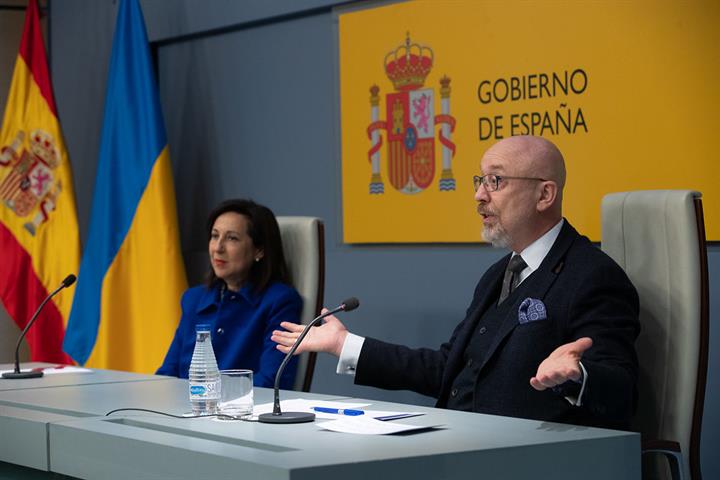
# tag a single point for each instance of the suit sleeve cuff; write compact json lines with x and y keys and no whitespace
{"x":577,"y":401}
{"x":350,"y":354}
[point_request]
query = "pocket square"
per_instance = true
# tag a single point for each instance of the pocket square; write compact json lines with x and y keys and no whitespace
{"x":531,"y":310}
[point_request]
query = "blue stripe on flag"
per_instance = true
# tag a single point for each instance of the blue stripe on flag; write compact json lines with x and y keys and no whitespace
{"x":132,"y":138}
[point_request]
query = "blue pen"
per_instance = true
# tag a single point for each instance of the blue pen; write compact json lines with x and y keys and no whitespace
{"x":339,"y":411}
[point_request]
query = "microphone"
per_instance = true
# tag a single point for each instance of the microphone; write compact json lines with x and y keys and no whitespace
{"x":278,"y":416}
{"x":69,"y":280}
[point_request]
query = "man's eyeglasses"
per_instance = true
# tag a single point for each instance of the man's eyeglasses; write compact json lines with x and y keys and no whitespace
{"x":491,"y":182}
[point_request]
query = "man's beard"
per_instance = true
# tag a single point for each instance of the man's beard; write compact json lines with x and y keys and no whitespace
{"x":496,"y":235}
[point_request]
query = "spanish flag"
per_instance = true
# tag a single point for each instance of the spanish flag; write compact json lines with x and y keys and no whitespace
{"x":127,"y":300}
{"x":39,"y":243}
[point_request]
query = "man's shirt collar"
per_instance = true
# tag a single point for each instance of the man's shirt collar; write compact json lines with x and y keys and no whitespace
{"x":535,"y":253}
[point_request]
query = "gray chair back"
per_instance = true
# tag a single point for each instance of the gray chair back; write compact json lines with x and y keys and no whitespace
{"x":658,"y":237}
{"x":303,"y":241}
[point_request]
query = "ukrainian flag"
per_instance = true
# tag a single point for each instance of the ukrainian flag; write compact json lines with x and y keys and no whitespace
{"x":127,"y":300}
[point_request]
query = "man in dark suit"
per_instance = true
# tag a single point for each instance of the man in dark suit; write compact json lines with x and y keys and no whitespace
{"x":550,"y":332}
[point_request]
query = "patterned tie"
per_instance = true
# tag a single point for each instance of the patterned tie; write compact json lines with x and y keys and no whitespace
{"x":512,"y":276}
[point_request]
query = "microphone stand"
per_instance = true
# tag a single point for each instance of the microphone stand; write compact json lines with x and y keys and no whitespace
{"x":277,"y":416}
{"x":17,"y":374}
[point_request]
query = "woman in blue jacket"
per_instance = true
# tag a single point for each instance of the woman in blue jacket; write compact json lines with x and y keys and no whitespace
{"x":247,"y":295}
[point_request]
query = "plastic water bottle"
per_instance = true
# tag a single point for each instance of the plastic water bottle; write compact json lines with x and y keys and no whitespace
{"x":204,"y":377}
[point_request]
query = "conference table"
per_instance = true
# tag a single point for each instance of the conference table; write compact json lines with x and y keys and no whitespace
{"x":57,"y":427}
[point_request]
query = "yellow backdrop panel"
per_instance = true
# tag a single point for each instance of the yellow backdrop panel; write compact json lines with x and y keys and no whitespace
{"x":627,"y":90}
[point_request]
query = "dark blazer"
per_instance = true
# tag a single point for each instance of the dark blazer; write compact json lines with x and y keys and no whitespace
{"x":242,"y":323}
{"x":586,"y":294}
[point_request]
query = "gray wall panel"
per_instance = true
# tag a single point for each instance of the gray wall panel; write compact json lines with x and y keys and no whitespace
{"x":79,"y":59}
{"x":184,"y":17}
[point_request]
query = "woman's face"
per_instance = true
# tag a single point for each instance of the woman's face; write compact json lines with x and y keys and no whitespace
{"x":232,"y":252}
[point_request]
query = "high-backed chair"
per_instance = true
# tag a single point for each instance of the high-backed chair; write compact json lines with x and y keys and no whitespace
{"x":303,"y":241}
{"x":658,"y":237}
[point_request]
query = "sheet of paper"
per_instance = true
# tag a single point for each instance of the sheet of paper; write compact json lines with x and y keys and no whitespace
{"x":386,"y":415}
{"x":364,"y":425}
{"x":54,"y":370}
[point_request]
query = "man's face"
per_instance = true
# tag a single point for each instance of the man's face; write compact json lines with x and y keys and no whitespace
{"x":507,"y":213}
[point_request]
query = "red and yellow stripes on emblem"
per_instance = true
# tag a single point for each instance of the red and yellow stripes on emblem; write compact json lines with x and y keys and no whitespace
{"x":398,"y":164}
{"x":10,"y":186}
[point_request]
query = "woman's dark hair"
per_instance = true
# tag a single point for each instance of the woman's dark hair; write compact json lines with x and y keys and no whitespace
{"x":262,"y":228}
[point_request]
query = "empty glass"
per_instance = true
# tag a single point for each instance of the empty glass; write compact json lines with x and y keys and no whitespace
{"x":236,"y":394}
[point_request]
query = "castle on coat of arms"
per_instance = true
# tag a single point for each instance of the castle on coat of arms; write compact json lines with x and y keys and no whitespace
{"x":410,"y":124}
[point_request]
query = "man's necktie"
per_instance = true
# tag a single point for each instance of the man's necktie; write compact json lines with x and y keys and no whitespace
{"x":512,"y":276}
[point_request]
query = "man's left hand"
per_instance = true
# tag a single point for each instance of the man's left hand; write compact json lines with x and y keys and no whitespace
{"x":562,"y":365}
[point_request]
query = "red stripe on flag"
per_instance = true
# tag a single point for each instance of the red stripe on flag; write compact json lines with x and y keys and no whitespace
{"x":32,"y":49}
{"x":21,"y":293}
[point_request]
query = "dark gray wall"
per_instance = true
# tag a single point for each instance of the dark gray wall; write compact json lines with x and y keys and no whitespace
{"x":250,"y":97}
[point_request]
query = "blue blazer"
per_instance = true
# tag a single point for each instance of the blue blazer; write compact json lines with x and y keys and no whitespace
{"x":241,"y":324}
{"x":586,"y":294}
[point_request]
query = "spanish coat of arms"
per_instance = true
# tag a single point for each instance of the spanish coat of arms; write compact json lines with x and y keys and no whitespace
{"x":27,"y":177}
{"x":410,"y":124}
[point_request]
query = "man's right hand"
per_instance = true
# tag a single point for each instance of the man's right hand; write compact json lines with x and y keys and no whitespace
{"x":328,"y":337}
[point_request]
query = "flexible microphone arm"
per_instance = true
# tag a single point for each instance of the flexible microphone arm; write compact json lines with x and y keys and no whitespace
{"x":294,"y":417}
{"x":69,"y":280}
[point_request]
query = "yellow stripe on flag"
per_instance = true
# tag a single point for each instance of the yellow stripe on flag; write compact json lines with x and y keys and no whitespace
{"x":145,"y":281}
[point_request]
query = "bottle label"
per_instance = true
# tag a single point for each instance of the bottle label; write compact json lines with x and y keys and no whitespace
{"x":197,"y":390}
{"x":209,"y":390}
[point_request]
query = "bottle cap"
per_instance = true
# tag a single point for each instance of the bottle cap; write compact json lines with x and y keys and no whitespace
{"x":202,"y":327}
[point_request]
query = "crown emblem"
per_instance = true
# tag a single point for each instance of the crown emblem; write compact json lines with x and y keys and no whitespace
{"x":43,"y":145}
{"x":410,"y":124}
{"x":408,"y":65}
